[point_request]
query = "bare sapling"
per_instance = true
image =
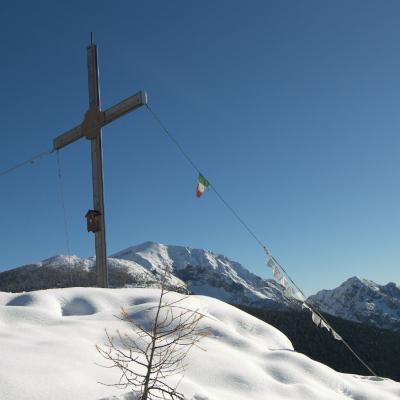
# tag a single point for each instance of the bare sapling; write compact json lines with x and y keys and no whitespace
{"x":150,"y":354}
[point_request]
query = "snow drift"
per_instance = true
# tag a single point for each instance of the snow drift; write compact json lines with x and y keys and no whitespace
{"x":48,"y":351}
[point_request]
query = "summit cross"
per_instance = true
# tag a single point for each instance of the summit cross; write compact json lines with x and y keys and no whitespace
{"x":90,"y":128}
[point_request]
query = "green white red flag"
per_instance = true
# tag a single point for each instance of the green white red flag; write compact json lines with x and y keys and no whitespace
{"x":202,"y":184}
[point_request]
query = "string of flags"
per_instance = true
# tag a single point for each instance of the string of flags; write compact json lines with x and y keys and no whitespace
{"x":291,"y":291}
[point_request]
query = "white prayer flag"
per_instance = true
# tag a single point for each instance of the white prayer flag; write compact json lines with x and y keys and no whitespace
{"x":299,"y":296}
{"x":305,"y":306}
{"x":324,"y":325}
{"x":270,"y":263}
{"x":267,"y":251}
{"x":289,"y":292}
{"x":276,"y":272}
{"x":336,"y":335}
{"x":283,"y":281}
{"x":315,"y":319}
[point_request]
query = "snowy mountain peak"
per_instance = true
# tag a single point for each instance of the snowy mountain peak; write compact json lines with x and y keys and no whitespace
{"x":354,"y":280}
{"x":62,"y":261}
{"x":359,"y":282}
{"x":362,"y":300}
{"x":391,"y":287}
{"x":207,"y":273}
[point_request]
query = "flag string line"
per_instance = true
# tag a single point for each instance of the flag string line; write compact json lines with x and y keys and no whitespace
{"x":193,"y":164}
{"x":30,"y":161}
{"x":269,"y":255}
{"x":37,"y":157}
{"x":314,"y":310}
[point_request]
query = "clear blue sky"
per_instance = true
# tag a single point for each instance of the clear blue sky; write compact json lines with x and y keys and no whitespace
{"x":290,"y":108}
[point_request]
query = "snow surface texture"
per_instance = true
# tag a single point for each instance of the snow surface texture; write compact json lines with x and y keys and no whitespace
{"x":48,"y":352}
{"x":363,"y":301}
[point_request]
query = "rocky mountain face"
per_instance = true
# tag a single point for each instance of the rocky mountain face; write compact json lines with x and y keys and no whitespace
{"x":209,"y":274}
{"x":364,"y":301}
{"x":195,"y":270}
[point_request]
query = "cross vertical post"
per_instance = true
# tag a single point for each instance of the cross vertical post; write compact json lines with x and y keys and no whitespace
{"x":97,"y":168}
{"x":90,"y":128}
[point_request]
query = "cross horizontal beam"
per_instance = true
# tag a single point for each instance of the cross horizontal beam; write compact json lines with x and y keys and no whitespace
{"x":111,"y":114}
{"x":125,"y":106}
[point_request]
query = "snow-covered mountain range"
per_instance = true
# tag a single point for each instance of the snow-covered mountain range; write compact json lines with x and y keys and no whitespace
{"x":196,"y":270}
{"x":203,"y":272}
{"x":363,"y":301}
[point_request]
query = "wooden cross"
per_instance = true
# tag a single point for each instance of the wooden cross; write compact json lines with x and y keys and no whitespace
{"x":90,"y":128}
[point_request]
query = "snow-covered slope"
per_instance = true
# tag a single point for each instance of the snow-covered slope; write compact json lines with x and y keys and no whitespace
{"x":208,"y":273}
{"x":364,"y":301}
{"x":48,"y":352}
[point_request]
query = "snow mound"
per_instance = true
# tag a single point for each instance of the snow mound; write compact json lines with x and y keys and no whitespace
{"x":48,"y":351}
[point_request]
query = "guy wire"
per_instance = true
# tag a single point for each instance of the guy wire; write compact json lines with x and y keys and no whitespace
{"x":30,"y":161}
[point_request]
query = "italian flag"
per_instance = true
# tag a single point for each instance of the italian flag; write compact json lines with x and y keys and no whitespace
{"x":202,"y":184}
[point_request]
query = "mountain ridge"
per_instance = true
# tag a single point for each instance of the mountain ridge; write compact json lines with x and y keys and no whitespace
{"x":204,"y":272}
{"x":196,"y":270}
{"x":362,"y":300}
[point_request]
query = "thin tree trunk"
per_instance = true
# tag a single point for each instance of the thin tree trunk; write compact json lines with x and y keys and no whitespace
{"x":153,"y":343}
